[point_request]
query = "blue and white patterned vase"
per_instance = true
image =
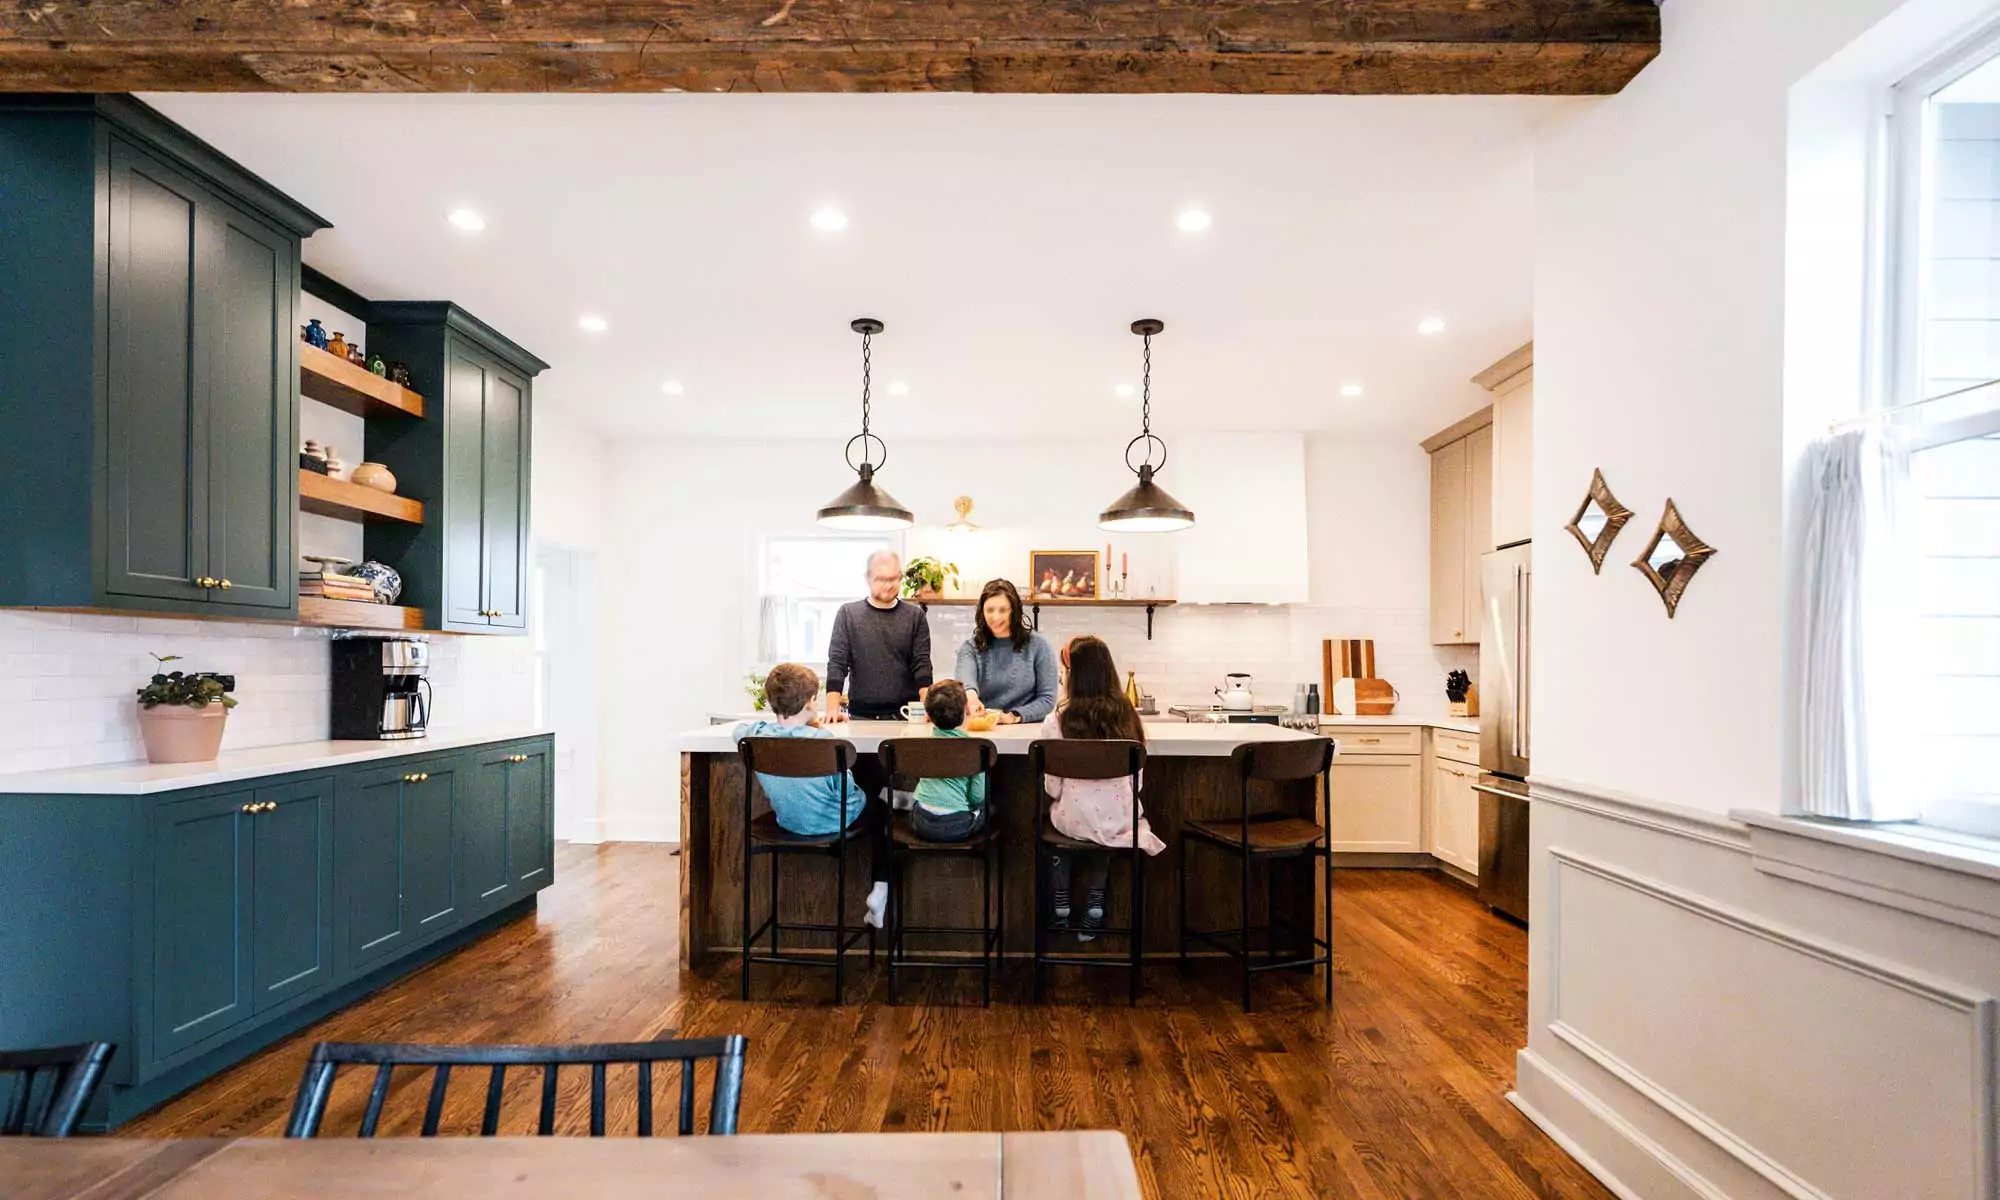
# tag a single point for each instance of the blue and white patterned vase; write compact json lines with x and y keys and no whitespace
{"x":382,"y":577}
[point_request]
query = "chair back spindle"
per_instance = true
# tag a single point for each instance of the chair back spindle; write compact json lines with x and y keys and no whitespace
{"x":52,"y":1087}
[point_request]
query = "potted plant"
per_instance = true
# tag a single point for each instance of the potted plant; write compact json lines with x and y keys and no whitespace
{"x":753,"y":687}
{"x":181,"y":716}
{"x":924,"y":578}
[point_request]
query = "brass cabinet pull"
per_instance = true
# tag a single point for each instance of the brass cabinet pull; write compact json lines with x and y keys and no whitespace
{"x":205,"y":581}
{"x":224,"y":584}
{"x":1369,"y":741}
{"x":517,"y":758}
{"x":261,"y":807}
{"x":249,"y":808}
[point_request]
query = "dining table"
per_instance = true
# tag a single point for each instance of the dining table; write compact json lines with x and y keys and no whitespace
{"x":881,"y":1166}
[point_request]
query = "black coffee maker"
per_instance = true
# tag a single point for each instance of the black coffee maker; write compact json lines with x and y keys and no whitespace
{"x":381,"y":690}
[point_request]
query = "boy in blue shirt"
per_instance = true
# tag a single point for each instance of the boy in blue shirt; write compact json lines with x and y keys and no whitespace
{"x":811,"y":807}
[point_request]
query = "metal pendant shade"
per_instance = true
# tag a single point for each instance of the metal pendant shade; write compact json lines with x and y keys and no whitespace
{"x":865,"y":506}
{"x":1147,"y":507}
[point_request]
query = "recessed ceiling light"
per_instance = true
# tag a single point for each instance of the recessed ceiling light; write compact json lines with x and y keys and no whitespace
{"x":466,"y":219}
{"x":1350,"y":389}
{"x":672,"y":387}
{"x":592,"y":323}
{"x":899,"y":388}
{"x":829,"y":220}
{"x":1193,"y":220}
{"x":1431,"y":325}
{"x":1123,"y":390}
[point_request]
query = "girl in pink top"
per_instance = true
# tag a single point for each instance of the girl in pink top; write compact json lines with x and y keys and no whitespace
{"x":1093,"y":810}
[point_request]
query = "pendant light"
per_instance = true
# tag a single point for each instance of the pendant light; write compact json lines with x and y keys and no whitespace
{"x":1147,"y":508}
{"x":865,"y":506}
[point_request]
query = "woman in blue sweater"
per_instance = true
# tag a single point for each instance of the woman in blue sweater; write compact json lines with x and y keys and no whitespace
{"x":1005,"y":667}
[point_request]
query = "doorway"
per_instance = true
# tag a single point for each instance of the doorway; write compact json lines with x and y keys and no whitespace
{"x":564,"y":634}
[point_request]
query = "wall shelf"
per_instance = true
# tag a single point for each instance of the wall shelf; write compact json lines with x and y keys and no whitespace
{"x":358,"y":614}
{"x":333,"y":380}
{"x":330,"y":497}
{"x":1035,"y":606}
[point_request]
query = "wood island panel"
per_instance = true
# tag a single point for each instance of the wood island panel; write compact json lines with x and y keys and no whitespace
{"x":946,"y":891}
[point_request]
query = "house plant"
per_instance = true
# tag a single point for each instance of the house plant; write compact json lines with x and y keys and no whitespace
{"x":181,"y":716}
{"x":753,"y":687}
{"x":924,"y":578}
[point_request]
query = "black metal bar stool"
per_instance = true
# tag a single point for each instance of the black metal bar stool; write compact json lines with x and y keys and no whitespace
{"x":945,"y":758}
{"x":800,"y":758}
{"x":1084,"y":759}
{"x":1266,"y":837}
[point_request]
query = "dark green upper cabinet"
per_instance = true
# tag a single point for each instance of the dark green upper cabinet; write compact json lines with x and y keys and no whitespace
{"x":468,"y":563}
{"x":148,"y":398}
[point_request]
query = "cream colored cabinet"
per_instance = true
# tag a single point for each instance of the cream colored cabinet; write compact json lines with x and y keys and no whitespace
{"x":1512,"y":382}
{"x":1454,"y":815}
{"x":1461,"y":525}
{"x":1377,"y":801}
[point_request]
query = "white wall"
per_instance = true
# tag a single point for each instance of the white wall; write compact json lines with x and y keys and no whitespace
{"x":1717,"y":1010}
{"x":685,"y":519}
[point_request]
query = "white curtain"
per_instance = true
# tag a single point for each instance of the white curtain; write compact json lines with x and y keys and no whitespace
{"x":1855,"y":631}
{"x":773,"y":639}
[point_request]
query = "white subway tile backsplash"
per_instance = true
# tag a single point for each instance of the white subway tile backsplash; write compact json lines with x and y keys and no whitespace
{"x":77,"y":673}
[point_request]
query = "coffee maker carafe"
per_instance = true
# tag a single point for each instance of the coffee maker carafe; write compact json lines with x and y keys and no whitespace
{"x":381,"y":690}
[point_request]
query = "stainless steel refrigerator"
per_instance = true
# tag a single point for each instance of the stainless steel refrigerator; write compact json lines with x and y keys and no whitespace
{"x":1506,"y":606}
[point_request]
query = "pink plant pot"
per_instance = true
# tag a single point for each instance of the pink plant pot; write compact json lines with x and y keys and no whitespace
{"x":175,"y":733}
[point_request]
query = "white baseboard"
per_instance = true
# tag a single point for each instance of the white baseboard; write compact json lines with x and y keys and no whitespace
{"x":1624,"y":1159}
{"x":592,"y":830}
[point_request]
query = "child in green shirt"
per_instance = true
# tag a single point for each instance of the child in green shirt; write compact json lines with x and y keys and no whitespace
{"x":948,"y":810}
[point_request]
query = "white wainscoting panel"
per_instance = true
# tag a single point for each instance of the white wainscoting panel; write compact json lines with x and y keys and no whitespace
{"x":1828,"y":1072}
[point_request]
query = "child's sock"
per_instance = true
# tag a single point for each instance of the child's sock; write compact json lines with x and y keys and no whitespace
{"x":1062,"y":908}
{"x":878,"y":903}
{"x":1093,"y":915}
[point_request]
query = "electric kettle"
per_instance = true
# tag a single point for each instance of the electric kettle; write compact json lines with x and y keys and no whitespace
{"x":1235,"y":692}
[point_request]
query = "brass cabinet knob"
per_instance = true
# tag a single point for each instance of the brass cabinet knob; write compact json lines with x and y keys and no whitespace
{"x":249,"y":808}
{"x":204,"y":581}
{"x":409,"y":779}
{"x":224,"y":584}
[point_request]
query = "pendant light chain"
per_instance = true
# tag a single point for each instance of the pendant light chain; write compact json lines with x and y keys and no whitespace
{"x":1146,"y":402}
{"x":866,"y":403}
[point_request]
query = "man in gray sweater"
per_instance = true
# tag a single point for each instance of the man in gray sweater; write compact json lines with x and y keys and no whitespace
{"x":879,"y":657}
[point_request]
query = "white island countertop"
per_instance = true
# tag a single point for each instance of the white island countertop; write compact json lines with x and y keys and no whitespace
{"x":1164,"y":738}
{"x":232,"y":766}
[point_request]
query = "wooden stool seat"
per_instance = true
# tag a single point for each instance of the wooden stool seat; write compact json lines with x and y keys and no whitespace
{"x":765,"y":831}
{"x":1087,"y":759}
{"x":1268,"y":835}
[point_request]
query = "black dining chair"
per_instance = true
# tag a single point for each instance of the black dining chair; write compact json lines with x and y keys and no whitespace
{"x":1266,"y":837}
{"x":763,"y":837}
{"x":923,"y":758}
{"x":309,"y":1106}
{"x":51,"y":1087}
{"x":1087,"y":759}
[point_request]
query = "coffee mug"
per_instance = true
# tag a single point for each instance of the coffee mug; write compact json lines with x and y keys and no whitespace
{"x":913,"y":711}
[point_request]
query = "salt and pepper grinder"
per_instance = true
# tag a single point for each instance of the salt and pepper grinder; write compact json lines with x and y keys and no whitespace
{"x":1312,"y":697}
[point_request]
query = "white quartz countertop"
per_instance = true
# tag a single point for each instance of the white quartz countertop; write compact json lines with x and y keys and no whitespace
{"x":1176,"y":739}
{"x":142,"y":778}
{"x":1153,"y":721}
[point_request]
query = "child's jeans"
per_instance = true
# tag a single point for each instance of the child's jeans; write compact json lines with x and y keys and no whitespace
{"x":1093,"y":868}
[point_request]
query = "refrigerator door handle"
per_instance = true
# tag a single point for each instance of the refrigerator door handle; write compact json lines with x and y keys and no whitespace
{"x":1523,"y":734}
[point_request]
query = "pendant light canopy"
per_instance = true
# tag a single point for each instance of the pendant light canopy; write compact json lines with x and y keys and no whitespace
{"x":1147,"y":508}
{"x":864,"y":506}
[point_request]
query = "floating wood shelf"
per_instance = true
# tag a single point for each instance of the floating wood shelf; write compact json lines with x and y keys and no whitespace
{"x":330,"y":497}
{"x":1035,"y":606}
{"x":333,"y":380}
{"x":358,"y":614}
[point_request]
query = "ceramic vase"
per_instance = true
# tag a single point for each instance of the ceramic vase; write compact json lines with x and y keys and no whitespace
{"x":337,"y":345}
{"x":399,"y":374}
{"x":375,"y":475}
{"x":355,"y":356}
{"x":315,"y":333}
{"x":376,"y":365}
{"x":176,"y":733}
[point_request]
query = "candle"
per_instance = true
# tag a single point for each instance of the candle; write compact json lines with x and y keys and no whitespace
{"x":1124,"y":564}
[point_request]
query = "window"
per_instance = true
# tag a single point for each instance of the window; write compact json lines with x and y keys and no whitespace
{"x":1944,"y":388}
{"x":805,"y":580}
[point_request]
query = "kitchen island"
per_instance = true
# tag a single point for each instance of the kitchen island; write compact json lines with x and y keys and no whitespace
{"x":1189,"y":777}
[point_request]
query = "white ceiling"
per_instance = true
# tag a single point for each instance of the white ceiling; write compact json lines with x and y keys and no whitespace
{"x":1007,"y":242}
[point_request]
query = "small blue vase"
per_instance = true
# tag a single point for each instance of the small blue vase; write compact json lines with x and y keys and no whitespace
{"x":315,"y":333}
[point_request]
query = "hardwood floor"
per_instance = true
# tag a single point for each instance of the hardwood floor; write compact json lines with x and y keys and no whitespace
{"x":1396,"y":1093}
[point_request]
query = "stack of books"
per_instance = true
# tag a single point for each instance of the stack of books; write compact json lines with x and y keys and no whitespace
{"x":335,"y":586}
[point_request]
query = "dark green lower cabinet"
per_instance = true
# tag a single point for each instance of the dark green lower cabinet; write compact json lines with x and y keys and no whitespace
{"x":291,"y":905}
{"x":192,"y":928}
{"x":202,"y":868}
{"x":530,"y":816}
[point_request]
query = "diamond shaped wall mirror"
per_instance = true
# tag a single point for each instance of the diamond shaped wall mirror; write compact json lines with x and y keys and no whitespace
{"x":1598,"y":520}
{"x":1672,"y":557}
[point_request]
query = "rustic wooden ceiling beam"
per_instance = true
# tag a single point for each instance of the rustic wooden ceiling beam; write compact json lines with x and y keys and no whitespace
{"x":1563,"y":47}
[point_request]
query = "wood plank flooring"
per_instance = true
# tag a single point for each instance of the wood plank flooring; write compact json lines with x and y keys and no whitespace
{"x":1394,"y":1094}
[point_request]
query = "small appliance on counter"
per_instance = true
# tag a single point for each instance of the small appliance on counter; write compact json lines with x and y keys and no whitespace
{"x":1234,"y":693}
{"x":1216,"y":714}
{"x":380,"y":688}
